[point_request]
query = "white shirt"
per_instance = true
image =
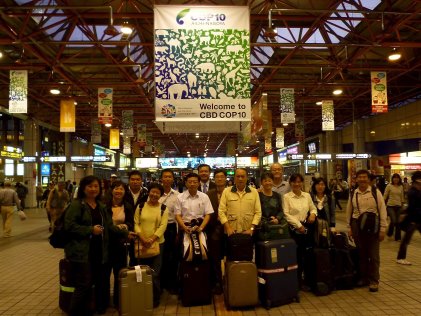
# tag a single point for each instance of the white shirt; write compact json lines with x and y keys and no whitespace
{"x":296,"y":207}
{"x":203,"y":184}
{"x":169,"y":200}
{"x":192,"y":207}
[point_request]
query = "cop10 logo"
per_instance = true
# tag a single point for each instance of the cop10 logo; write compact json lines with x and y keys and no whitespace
{"x":200,"y":16}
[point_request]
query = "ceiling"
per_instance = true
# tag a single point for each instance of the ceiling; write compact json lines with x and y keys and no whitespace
{"x":318,"y":46}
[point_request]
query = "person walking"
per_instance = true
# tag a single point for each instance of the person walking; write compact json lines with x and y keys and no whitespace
{"x":394,"y":198}
{"x":8,"y":199}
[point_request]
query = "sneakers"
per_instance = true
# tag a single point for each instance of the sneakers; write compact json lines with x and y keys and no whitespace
{"x":373,"y":287}
{"x":404,"y":262}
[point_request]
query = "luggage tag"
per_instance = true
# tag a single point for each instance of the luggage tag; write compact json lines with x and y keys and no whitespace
{"x":138,"y":271}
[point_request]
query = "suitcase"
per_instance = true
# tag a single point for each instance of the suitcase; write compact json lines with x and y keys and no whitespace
{"x":66,"y":285}
{"x":240,"y":286}
{"x":195,"y":283}
{"x":136,"y":291}
{"x":344,"y":269}
{"x":318,"y":270}
{"x":278,"y":286}
{"x":240,"y":247}
{"x":272,"y":254}
{"x":322,"y":235}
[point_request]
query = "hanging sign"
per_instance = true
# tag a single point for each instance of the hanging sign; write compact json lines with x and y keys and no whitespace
{"x":280,"y":138}
{"x":114,"y":138}
{"x":105,"y":105}
{"x":127,"y":146}
{"x":268,"y":144}
{"x":379,"y":92}
{"x":67,"y":115}
{"x":141,"y":134}
{"x":202,"y":63}
{"x":230,"y":147}
{"x":95,"y":131}
{"x":328,"y":118}
{"x":18,"y":91}
{"x":299,"y":129}
{"x":127,"y":123}
{"x":287,"y":105}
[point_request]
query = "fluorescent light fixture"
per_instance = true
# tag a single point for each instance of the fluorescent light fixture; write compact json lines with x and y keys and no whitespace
{"x":337,"y":91}
{"x":319,"y":103}
{"x":285,"y":124}
{"x":55,"y":91}
{"x":126,"y":28}
{"x":108,"y":124}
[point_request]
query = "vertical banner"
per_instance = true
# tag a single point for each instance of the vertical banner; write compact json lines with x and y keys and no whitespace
{"x":127,"y":148}
{"x":202,"y":63}
{"x":299,"y":129}
{"x":287,"y":105}
{"x":141,"y":135}
{"x":105,"y":105}
{"x":114,"y":138}
{"x":268,"y":144}
{"x":379,"y":102}
{"x":18,"y":91}
{"x":230,"y":147}
{"x":264,"y":101}
{"x":149,"y":142}
{"x":280,"y":143}
{"x":328,"y":116}
{"x":127,"y":123}
{"x":95,"y":131}
{"x":67,"y":115}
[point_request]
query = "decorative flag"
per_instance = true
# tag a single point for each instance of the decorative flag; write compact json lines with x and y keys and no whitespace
{"x":127,"y":123}
{"x":18,"y":91}
{"x":328,"y":116}
{"x":149,"y":139}
{"x":95,"y":131}
{"x":287,"y":105}
{"x":230,"y":147}
{"x":105,"y":105}
{"x":127,"y":148}
{"x":141,"y":135}
{"x":268,"y":144}
{"x":379,"y":102}
{"x":264,"y":101}
{"x":280,"y":138}
{"x":67,"y":115}
{"x":114,"y":138}
{"x":195,"y":48}
{"x":299,"y":129}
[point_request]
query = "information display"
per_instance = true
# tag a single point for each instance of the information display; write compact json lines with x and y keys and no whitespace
{"x":142,"y":163}
{"x":247,"y":162}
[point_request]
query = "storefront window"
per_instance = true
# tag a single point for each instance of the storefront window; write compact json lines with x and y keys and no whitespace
{"x":20,"y":169}
{"x":9,"y":167}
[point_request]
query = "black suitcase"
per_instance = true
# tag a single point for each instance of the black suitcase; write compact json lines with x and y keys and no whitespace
{"x":344,"y":270}
{"x":66,"y":285}
{"x":318,"y":271}
{"x":278,"y":286}
{"x":240,"y":247}
{"x":272,"y":254}
{"x":195,"y":283}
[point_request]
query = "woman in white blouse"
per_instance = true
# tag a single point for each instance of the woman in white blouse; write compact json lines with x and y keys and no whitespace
{"x":394,"y":197}
{"x":300,"y":213}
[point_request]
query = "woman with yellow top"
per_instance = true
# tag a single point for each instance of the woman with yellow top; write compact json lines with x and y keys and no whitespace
{"x":150,"y":226}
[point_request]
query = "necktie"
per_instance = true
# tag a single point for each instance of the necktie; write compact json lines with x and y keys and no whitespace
{"x":205,"y":188}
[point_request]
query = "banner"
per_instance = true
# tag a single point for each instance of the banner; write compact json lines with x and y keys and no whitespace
{"x":141,"y":135}
{"x":299,"y":129}
{"x":18,"y":91}
{"x":268,"y":144}
{"x":67,"y":115}
{"x":287,"y":105}
{"x":105,"y":105}
{"x":280,"y":138}
{"x":264,"y":101}
{"x":328,"y":116}
{"x":95,"y":131}
{"x":127,"y":148}
{"x":202,"y":63}
{"x":230,"y":147}
{"x":379,"y":102}
{"x":114,"y":138}
{"x":127,"y":123}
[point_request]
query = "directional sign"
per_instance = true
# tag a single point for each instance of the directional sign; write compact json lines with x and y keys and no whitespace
{"x":295,"y":157}
{"x":327,"y":156}
{"x":30,"y":159}
{"x":104,"y":158}
{"x":53,"y":159}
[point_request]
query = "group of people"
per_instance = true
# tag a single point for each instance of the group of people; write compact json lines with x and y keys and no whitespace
{"x":105,"y":226}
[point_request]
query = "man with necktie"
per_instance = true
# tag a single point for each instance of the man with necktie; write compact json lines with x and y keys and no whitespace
{"x":204,"y":171}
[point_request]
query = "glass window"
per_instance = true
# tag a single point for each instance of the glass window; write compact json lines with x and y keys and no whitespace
{"x":20,"y":169}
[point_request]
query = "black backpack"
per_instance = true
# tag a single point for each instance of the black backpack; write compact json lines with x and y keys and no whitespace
{"x":60,"y":237}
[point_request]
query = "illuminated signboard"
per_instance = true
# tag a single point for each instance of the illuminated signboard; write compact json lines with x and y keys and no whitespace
{"x":181,"y":162}
{"x":102,"y":158}
{"x":327,"y":156}
{"x":247,"y":161}
{"x":11,"y":152}
{"x":29,"y":159}
{"x":142,"y":163}
{"x":45,"y":169}
{"x":53,"y":159}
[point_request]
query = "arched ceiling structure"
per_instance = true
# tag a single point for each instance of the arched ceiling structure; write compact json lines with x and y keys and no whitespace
{"x":313,"y":46}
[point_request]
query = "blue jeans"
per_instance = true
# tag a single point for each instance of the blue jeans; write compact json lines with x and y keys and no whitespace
{"x":412,"y":228}
{"x":394,"y":212}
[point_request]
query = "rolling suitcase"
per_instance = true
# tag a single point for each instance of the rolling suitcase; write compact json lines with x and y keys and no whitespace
{"x":240,"y":286}
{"x":136,"y":291}
{"x":344,"y":271}
{"x":277,"y":271}
{"x":240,"y":247}
{"x":318,"y":270}
{"x":195,"y":283}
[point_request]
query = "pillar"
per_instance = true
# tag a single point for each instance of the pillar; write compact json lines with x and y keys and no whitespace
{"x":31,"y":147}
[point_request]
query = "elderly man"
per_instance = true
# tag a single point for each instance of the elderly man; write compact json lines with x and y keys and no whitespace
{"x":279,"y":185}
{"x":8,"y":198}
{"x":239,"y":208}
{"x":362,"y":203}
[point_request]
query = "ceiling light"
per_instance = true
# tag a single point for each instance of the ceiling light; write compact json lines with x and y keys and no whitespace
{"x":204,"y":155}
{"x":373,"y":132}
{"x":1,"y":54}
{"x":337,"y":91}
{"x":257,"y":141}
{"x":197,"y":136}
{"x":319,"y":103}
{"x":285,"y":124}
{"x":395,"y":55}
{"x":75,"y":103}
{"x":108,"y":124}
{"x":188,"y":152}
{"x":126,"y":28}
{"x":188,"y":155}
{"x":121,"y":133}
{"x":55,"y":91}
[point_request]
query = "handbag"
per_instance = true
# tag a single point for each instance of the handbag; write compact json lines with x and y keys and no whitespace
{"x":368,"y":223}
{"x":142,"y":252}
{"x":268,"y":231}
{"x":21,"y":215}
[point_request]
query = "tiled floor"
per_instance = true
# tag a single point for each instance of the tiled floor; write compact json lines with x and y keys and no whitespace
{"x":29,"y":282}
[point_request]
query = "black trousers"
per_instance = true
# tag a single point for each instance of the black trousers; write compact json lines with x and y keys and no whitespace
{"x":410,"y":230}
{"x":215,"y":242}
{"x":118,"y":261}
{"x":170,"y":259}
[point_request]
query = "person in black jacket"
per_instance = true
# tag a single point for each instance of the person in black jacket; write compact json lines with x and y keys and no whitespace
{"x":324,"y":202}
{"x":122,"y":215}
{"x":412,"y":221}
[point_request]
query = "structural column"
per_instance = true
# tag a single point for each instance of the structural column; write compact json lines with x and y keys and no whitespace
{"x":31,"y":147}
